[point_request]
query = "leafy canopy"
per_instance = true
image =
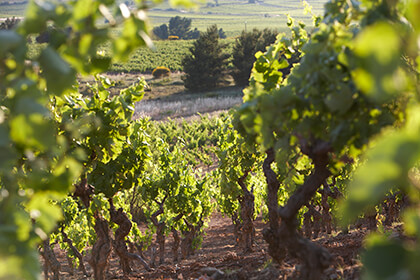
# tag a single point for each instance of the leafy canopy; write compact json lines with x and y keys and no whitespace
{"x":38,"y":163}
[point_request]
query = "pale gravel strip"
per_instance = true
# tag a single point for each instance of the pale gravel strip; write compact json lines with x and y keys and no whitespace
{"x":160,"y":109}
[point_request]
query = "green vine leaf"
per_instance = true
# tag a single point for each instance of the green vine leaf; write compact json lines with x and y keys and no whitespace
{"x":58,"y":73}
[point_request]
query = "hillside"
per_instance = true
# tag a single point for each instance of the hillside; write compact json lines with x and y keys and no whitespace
{"x":236,"y":15}
{"x":231,"y":15}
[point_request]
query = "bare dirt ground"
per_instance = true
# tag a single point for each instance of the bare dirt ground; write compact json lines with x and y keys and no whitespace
{"x":220,"y":258}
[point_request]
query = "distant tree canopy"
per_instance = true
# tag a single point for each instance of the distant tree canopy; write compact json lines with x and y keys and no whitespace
{"x":204,"y":68}
{"x":244,"y":52}
{"x":9,"y":23}
{"x":161,"y":31}
{"x":222,"y":34}
{"x":193,"y":34}
{"x":180,"y":27}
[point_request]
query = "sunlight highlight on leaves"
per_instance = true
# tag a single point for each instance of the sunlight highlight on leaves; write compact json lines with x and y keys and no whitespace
{"x":377,"y":71}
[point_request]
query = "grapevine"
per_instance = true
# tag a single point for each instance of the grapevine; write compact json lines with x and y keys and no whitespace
{"x":306,"y":116}
{"x":238,"y":191}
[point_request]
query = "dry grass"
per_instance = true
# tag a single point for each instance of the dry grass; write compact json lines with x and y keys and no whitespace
{"x":185,"y":107}
{"x":167,"y":97}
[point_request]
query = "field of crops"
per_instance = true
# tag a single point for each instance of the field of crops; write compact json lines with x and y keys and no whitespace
{"x":236,"y":15}
{"x":231,"y":15}
{"x":12,"y":8}
{"x":231,"y":24}
{"x":166,"y":53}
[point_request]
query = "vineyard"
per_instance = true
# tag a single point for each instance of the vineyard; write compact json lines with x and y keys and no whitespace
{"x":143,"y":60}
{"x":313,"y":176}
{"x":167,"y":53}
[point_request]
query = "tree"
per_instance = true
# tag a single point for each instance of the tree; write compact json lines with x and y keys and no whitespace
{"x":179,"y":26}
{"x":9,"y":23}
{"x":222,"y":34}
{"x":204,"y":67}
{"x":161,"y":31}
{"x":193,"y":34}
{"x":244,"y":52}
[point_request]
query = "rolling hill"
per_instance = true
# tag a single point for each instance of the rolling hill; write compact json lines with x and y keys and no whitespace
{"x":231,"y":15}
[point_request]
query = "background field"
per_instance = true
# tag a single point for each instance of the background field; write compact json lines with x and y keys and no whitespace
{"x":166,"y":53}
{"x":12,"y":8}
{"x":231,"y":15}
{"x":236,"y":15}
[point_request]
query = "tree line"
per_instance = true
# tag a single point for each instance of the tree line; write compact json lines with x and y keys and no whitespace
{"x":179,"y":28}
{"x":207,"y":64}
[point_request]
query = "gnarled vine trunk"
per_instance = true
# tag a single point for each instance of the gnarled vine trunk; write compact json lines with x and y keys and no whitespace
{"x":51,"y":262}
{"x":160,"y":231}
{"x":326,"y":192}
{"x":75,"y":252}
{"x":175,"y":247}
{"x":282,"y":235}
{"x":119,"y":244}
{"x":392,"y":208}
{"x":177,"y":238}
{"x":276,"y":248}
{"x":237,"y":226}
{"x":370,"y":218}
{"x":247,"y":215}
{"x":312,"y":222}
{"x":84,"y":191}
{"x":187,"y":247}
{"x":101,"y":249}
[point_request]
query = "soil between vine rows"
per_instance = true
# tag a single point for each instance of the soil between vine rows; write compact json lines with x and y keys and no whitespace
{"x":219,"y":252}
